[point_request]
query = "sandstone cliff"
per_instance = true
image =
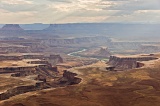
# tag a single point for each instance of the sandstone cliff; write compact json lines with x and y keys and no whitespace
{"x":120,"y":63}
{"x":22,"y":89}
{"x":76,"y":41}
{"x":54,"y":59}
{"x":69,"y":78}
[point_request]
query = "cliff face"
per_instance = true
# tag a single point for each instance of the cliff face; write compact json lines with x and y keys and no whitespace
{"x":125,"y":63}
{"x":69,"y":78}
{"x":54,"y":59}
{"x":73,"y":41}
{"x":11,"y":27}
{"x":22,"y":89}
{"x":12,"y":30}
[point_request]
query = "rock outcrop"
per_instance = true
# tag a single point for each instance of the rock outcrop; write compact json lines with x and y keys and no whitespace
{"x":22,"y":89}
{"x":54,"y":59}
{"x":69,"y":78}
{"x":4,"y":57}
{"x":120,"y":63}
{"x":102,"y":52}
{"x":17,"y":69}
{"x":77,"y":40}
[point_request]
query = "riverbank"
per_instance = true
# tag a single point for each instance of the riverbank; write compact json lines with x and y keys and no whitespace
{"x":75,"y":53}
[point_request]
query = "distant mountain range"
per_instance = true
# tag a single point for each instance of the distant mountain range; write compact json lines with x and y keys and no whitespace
{"x":115,"y":30}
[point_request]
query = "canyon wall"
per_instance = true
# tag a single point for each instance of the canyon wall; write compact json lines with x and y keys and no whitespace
{"x":22,"y":89}
{"x":54,"y":59}
{"x":80,"y":40}
{"x":69,"y":78}
{"x":16,"y":69}
{"x":124,"y":63}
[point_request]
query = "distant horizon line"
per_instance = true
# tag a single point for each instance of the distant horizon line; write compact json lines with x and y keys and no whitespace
{"x":82,"y":23}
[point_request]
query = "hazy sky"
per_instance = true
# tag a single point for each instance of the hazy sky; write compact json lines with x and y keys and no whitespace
{"x":73,"y":11}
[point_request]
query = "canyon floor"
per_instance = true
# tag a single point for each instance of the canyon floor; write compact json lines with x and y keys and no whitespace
{"x":99,"y":87}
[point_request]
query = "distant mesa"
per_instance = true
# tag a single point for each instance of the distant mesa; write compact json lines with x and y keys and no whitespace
{"x":51,"y":27}
{"x":15,"y":30}
{"x":12,"y":30}
{"x":11,"y":27}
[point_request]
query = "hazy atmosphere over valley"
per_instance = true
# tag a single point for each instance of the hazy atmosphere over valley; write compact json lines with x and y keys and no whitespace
{"x":79,"y":53}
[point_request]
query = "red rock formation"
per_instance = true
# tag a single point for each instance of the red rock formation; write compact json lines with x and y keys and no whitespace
{"x":41,"y":78}
{"x":17,"y":69}
{"x":54,"y":59}
{"x":69,"y":78}
{"x":124,"y":63}
{"x":22,"y":89}
{"x":3,"y":57}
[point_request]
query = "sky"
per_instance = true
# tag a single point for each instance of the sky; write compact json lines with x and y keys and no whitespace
{"x":79,"y":11}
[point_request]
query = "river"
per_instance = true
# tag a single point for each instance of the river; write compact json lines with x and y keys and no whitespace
{"x":75,"y":53}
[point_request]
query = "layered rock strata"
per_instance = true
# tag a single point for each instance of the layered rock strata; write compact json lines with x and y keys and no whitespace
{"x":69,"y":78}
{"x":22,"y":89}
{"x":119,"y":63}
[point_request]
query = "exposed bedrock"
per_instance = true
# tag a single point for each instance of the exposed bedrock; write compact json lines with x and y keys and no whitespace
{"x":120,"y":63}
{"x":3,"y":57}
{"x":43,"y":70}
{"x":80,"y":40}
{"x":17,"y":69}
{"x":51,"y":59}
{"x":22,"y":89}
{"x":54,"y":59}
{"x":69,"y":78}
